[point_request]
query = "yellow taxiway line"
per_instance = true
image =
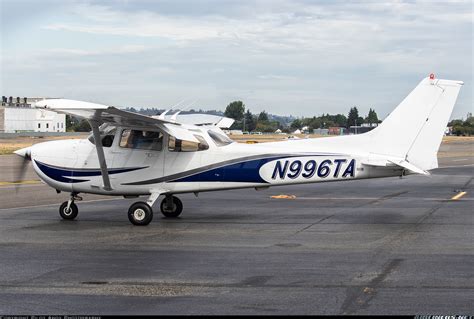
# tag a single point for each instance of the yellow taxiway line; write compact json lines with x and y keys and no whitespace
{"x":458,"y":196}
{"x":20,"y":183}
{"x":283,"y":196}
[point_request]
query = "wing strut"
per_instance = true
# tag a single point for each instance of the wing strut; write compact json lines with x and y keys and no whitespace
{"x":100,"y":153}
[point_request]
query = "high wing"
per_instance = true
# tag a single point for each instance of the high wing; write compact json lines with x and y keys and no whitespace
{"x":96,"y":114}
{"x":108,"y":114}
{"x":202,"y":119}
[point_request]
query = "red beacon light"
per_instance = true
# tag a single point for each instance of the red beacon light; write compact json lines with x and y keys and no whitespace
{"x":432,"y":77}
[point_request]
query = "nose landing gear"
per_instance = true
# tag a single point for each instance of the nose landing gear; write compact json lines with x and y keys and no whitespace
{"x":68,"y":210}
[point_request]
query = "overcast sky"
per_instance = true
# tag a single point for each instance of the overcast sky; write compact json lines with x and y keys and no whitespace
{"x":286,"y":57}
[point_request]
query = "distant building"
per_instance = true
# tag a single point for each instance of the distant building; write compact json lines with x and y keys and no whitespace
{"x":372,"y":125}
{"x":361,"y":129}
{"x":18,"y":115}
{"x":336,"y":130}
{"x":321,"y":131}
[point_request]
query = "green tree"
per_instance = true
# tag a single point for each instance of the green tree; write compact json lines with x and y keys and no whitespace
{"x":70,"y":123}
{"x":464,"y":128}
{"x":372,"y":117}
{"x":269,"y":126}
{"x":312,"y":122}
{"x":235,"y":110}
{"x":250,"y":123}
{"x":75,"y":124}
{"x":262,"y":117}
{"x":296,"y":124}
{"x":339,"y":120}
{"x":455,"y":123}
{"x":83,"y":126}
{"x":469,"y":120}
{"x":353,"y":117}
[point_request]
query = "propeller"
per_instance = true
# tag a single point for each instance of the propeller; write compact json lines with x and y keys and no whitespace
{"x":26,"y":154}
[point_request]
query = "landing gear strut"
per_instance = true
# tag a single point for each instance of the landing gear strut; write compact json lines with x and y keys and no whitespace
{"x":68,"y":210}
{"x":171,"y":206}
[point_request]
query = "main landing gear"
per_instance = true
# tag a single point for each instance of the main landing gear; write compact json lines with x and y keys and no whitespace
{"x":171,"y":206}
{"x":139,"y":213}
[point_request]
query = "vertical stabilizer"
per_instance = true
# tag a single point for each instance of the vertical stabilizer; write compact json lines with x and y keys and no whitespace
{"x":414,"y":130}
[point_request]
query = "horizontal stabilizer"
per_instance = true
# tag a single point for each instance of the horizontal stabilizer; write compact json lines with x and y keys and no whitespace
{"x":379,"y":161}
{"x":410,"y":167}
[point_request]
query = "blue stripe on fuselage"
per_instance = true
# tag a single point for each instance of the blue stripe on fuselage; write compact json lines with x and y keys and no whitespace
{"x":243,"y":172}
{"x":67,"y":175}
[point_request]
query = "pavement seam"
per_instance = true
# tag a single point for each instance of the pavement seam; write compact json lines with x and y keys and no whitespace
{"x":377,"y":201}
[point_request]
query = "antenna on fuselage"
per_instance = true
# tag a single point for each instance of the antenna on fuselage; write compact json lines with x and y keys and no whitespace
{"x":175,"y":115}
{"x":162,"y":115}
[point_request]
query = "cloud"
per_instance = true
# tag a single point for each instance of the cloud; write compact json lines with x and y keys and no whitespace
{"x":64,"y":52}
{"x":330,"y":54}
{"x":346,"y":27}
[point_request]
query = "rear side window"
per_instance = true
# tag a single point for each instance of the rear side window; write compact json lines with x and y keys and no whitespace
{"x":177,"y":145}
{"x":219,"y":139}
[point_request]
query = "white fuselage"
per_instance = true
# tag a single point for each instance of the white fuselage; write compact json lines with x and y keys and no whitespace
{"x":72,"y":165}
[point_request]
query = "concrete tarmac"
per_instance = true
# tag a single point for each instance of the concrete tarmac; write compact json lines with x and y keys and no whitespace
{"x":386,"y":246}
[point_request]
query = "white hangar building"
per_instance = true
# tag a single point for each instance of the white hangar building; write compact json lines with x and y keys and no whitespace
{"x":18,"y":115}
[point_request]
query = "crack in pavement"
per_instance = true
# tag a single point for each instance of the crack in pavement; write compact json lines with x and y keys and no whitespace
{"x":358,"y":298}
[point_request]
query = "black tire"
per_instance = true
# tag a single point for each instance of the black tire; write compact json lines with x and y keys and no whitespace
{"x":176,"y":209}
{"x":140,"y":214}
{"x":68,"y":215}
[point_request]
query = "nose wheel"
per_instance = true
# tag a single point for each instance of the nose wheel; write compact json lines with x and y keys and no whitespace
{"x":171,"y":206}
{"x":68,"y":210}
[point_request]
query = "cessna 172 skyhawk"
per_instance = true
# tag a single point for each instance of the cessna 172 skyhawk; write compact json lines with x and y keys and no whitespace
{"x":130,"y":154}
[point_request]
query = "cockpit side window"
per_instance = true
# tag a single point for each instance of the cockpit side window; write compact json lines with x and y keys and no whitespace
{"x":144,"y":140}
{"x":177,"y":145}
{"x":219,"y":139}
{"x":107,"y":134}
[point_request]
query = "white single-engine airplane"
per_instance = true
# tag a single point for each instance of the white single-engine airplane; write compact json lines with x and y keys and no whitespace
{"x":129,"y":154}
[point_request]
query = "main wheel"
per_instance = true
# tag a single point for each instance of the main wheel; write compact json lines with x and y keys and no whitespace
{"x":174,"y":210}
{"x":140,"y":214}
{"x":68,"y":214}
